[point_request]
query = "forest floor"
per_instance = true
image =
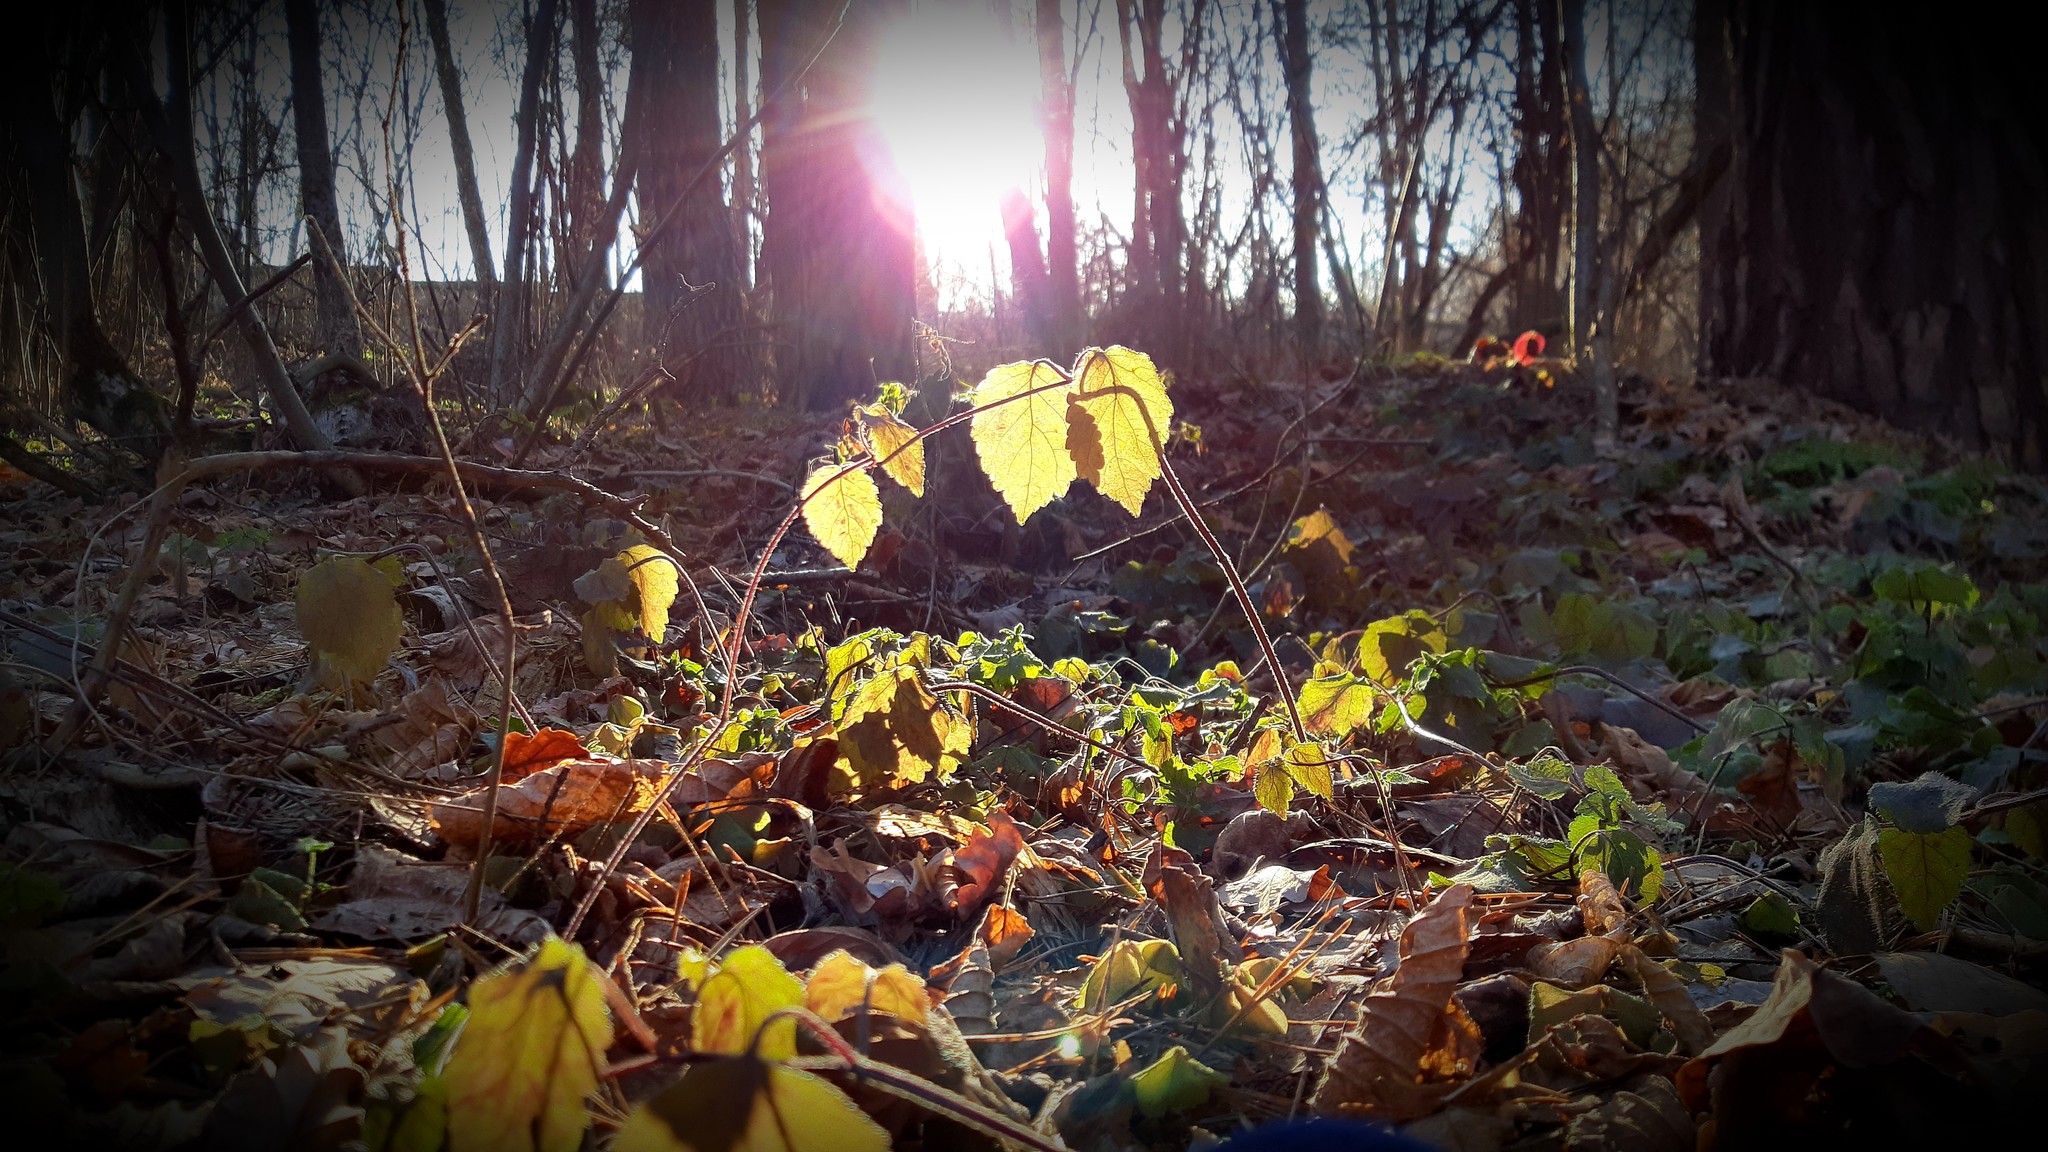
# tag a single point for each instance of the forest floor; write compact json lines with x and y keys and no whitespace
{"x":1690,"y":795}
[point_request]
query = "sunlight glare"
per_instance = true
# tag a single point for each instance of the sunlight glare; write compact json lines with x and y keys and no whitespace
{"x":956,"y":102}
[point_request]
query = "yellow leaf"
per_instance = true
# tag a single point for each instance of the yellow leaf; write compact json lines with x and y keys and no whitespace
{"x":735,"y":1002}
{"x":749,"y":1105}
{"x":841,"y":984}
{"x":1117,"y":423}
{"x":843,"y":509}
{"x":349,"y":616}
{"x":655,"y":578}
{"x":896,"y":732}
{"x":1272,"y":787}
{"x":1174,"y":1082}
{"x":529,"y":1056}
{"x":1309,"y":764}
{"x":1023,"y":444}
{"x":896,"y":445}
{"x":1334,"y":702}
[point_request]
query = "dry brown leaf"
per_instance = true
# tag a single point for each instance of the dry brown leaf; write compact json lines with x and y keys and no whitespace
{"x":1574,"y":963}
{"x":1377,"y":1067}
{"x":570,"y":797}
{"x":1651,"y":1118}
{"x":1193,"y":918}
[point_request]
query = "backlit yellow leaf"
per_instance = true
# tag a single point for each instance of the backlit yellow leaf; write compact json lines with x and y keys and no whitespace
{"x":735,"y":1002}
{"x":896,"y":732}
{"x":1023,"y":444}
{"x":841,"y":984}
{"x":1310,"y":765}
{"x":845,"y":513}
{"x":896,"y":445}
{"x":1118,"y":422}
{"x":654,"y":577}
{"x":744,"y":1104}
{"x":529,"y":1055}
{"x":349,"y":616}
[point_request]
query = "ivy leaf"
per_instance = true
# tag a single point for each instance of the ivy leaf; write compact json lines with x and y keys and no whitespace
{"x":1926,"y":869}
{"x":1023,"y":444}
{"x":744,"y":1104}
{"x":896,"y":445}
{"x":896,"y":732}
{"x":734,"y":1003}
{"x":1174,"y":1083}
{"x":529,"y":1056}
{"x":1925,"y":805}
{"x":843,"y":510}
{"x":1117,"y":423}
{"x":349,"y":617}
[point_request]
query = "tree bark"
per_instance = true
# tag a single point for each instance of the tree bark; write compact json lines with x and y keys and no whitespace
{"x":675,"y":61}
{"x":1541,"y":169}
{"x":1062,"y":253}
{"x":585,"y":188}
{"x":339,"y":332}
{"x":449,"y":75}
{"x":1881,"y":241}
{"x":508,"y":317}
{"x":1591,"y":327}
{"x":836,"y":245}
{"x":743,"y":156}
{"x":1297,"y":64}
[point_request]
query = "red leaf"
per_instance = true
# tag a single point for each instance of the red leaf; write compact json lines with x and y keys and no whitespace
{"x":525,"y":755}
{"x":1528,"y":346}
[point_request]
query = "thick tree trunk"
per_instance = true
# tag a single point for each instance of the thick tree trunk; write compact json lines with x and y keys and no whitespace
{"x":1297,"y":65}
{"x":585,"y":189}
{"x":99,"y":387}
{"x":1154,"y":310}
{"x":1062,"y":261}
{"x":1883,"y":240}
{"x":337,"y":327}
{"x":449,"y":75}
{"x":836,"y":245}
{"x":1542,"y":168}
{"x":675,"y":57}
{"x":508,"y":315}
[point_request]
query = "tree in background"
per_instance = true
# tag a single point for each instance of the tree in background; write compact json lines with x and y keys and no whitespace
{"x":690,"y":269}
{"x":836,"y":244}
{"x":339,"y":332}
{"x":1297,"y":66}
{"x":1881,"y":238}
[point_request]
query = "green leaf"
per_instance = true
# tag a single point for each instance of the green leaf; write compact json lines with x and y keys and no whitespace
{"x":1925,"y":805}
{"x":1546,"y":777}
{"x":2024,"y":825}
{"x":1625,"y":857}
{"x":1927,"y":870}
{"x":1117,"y":421}
{"x":529,"y":1056}
{"x":1389,"y":646}
{"x":1023,"y":444}
{"x":349,"y":617}
{"x":843,"y":510}
{"x":1769,"y":915}
{"x":1309,"y":765}
{"x":1925,"y":584}
{"x":1174,"y":1083}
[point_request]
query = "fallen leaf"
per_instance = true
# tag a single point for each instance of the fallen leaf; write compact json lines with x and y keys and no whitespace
{"x":529,"y":1055}
{"x":745,"y":1104}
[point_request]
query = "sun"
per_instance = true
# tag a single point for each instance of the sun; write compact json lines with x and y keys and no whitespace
{"x":955,"y":101}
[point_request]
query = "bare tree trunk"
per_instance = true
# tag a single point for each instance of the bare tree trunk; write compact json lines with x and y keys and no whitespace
{"x":585,"y":199}
{"x":449,"y":75}
{"x":338,"y":330}
{"x":1881,"y":240}
{"x":836,"y":247}
{"x":98,"y":385}
{"x":172,"y":129}
{"x":1588,"y":296}
{"x":508,"y":319}
{"x":675,"y":60}
{"x":742,"y":156}
{"x":1297,"y":64}
{"x":1056,"y":91}
{"x":1541,"y":170}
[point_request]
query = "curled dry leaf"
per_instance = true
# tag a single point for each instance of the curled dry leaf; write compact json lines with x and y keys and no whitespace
{"x":1378,"y":1066}
{"x":570,"y":797}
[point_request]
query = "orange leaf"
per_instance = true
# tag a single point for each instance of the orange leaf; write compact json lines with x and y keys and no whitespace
{"x":525,"y":755}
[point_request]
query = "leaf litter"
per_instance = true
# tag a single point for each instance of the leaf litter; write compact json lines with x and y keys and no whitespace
{"x":1687,"y":797}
